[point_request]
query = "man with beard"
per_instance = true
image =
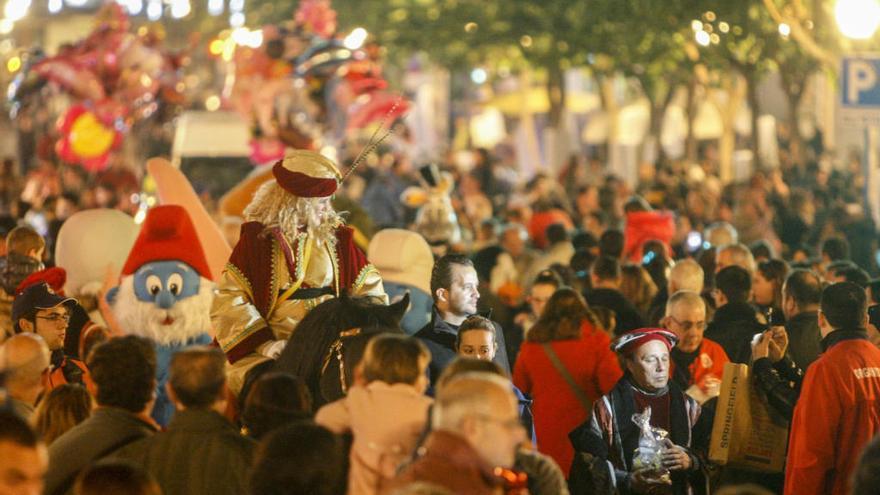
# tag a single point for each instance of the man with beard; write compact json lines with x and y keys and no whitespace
{"x":165,"y":292}
{"x":294,"y":252}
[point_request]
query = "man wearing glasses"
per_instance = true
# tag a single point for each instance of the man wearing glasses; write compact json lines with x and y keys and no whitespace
{"x":39,"y":310}
{"x":476,"y":433}
{"x":697,"y":362}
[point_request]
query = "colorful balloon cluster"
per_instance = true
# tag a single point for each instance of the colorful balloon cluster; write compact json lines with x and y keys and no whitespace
{"x":115,"y":78}
{"x":308,"y":85}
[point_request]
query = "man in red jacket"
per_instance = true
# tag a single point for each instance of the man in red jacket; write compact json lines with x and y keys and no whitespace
{"x":839,"y":408}
{"x":696,"y":363}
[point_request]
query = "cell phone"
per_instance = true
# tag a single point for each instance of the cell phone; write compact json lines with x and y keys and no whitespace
{"x":773,"y":318}
{"x":757,"y":338}
{"x":874,"y":315}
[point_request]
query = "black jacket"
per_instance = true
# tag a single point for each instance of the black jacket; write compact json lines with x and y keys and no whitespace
{"x":200,"y":452}
{"x":105,"y":432}
{"x":439,"y":336}
{"x":804,"y":339}
{"x":628,"y":317}
{"x":781,"y":383}
{"x":733,"y":327}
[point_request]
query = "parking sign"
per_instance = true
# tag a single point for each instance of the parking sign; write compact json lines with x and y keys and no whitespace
{"x":860,"y":112}
{"x":859,"y":92}
{"x":861,"y":82}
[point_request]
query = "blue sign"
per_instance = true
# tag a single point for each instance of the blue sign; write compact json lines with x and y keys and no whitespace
{"x":861,"y":82}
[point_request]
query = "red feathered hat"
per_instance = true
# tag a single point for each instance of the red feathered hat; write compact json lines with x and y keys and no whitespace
{"x":56,"y":277}
{"x":167,"y":234}
{"x":307,"y":174}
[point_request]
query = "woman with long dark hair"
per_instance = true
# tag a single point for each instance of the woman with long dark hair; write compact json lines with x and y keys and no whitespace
{"x":767,"y":288}
{"x":565,"y":364}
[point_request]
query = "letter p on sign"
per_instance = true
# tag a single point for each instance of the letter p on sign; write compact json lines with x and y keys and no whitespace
{"x":861,"y":77}
{"x":860,"y":82}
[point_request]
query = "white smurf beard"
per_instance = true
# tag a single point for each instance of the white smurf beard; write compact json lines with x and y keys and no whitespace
{"x":192,"y":315}
{"x":274,"y":207}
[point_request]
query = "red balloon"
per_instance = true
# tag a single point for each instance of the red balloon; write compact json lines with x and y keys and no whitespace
{"x":80,"y":82}
{"x":380,"y":106}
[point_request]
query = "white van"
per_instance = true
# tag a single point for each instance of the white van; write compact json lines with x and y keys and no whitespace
{"x":212,"y":149}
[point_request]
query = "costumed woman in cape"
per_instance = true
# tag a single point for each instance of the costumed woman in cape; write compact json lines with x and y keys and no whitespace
{"x":294,"y":252}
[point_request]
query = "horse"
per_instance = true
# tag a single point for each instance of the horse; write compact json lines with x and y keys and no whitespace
{"x":329,"y":342}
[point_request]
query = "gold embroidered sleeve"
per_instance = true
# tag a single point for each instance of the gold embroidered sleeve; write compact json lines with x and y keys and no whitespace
{"x":233,"y":314}
{"x":369,"y":283}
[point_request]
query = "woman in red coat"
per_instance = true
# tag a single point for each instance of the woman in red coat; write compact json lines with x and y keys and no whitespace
{"x":565,"y":330}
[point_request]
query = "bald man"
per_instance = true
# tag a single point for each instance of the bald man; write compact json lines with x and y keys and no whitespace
{"x":684,"y":275}
{"x":697,"y":362}
{"x":720,"y":233}
{"x":476,"y":429}
{"x":25,"y":359}
{"x":735,"y":254}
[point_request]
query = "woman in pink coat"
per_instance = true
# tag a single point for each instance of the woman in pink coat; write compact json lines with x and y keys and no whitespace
{"x":564,"y":330}
{"x":385,"y":411}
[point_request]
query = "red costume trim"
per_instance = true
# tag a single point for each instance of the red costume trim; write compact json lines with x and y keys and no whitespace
{"x":253,"y":256}
{"x":248,"y":345}
{"x":302,"y":185}
{"x":351,"y":258}
{"x":253,"y":261}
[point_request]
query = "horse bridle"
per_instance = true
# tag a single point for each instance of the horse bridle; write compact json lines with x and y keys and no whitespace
{"x":336,"y":348}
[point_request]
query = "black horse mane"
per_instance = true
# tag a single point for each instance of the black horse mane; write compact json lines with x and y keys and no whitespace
{"x":305,"y":351}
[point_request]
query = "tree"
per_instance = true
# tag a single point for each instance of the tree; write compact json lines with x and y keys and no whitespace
{"x":795,"y":67}
{"x":743,"y":37}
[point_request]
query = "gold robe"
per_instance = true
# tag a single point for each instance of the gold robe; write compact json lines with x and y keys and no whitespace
{"x":269,"y":285}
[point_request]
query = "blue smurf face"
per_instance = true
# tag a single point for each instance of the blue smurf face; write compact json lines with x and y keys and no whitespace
{"x":163,"y":283}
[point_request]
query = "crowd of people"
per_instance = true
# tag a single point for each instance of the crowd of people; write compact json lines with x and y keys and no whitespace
{"x":565,"y":334}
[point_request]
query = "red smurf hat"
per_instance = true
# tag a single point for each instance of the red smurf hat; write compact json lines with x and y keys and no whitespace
{"x":167,"y":234}
{"x":56,"y":277}
{"x":627,"y":343}
{"x":307,"y":174}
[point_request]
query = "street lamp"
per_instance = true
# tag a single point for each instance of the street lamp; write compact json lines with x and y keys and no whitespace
{"x":857,"y":19}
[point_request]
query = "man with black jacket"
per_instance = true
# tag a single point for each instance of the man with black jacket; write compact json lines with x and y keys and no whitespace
{"x":454,"y":286}
{"x":201,"y":451}
{"x":605,"y":279}
{"x":777,"y":372}
{"x":800,"y":304}
{"x":124,"y":372}
{"x":736,"y":321}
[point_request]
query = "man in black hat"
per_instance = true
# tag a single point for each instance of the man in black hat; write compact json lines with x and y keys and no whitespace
{"x":39,"y":310}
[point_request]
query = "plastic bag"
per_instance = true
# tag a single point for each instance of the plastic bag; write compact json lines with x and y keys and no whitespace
{"x":648,"y":456}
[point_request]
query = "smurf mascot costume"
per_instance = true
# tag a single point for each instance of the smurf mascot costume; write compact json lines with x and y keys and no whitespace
{"x":165,"y":292}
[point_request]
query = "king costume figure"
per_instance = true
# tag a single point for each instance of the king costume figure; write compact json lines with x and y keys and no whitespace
{"x":165,"y":292}
{"x":294,"y":252}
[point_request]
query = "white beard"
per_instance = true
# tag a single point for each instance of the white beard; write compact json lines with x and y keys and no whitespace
{"x":191,"y":315}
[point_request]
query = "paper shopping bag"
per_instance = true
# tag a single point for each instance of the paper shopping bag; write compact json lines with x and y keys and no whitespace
{"x":746,"y":433}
